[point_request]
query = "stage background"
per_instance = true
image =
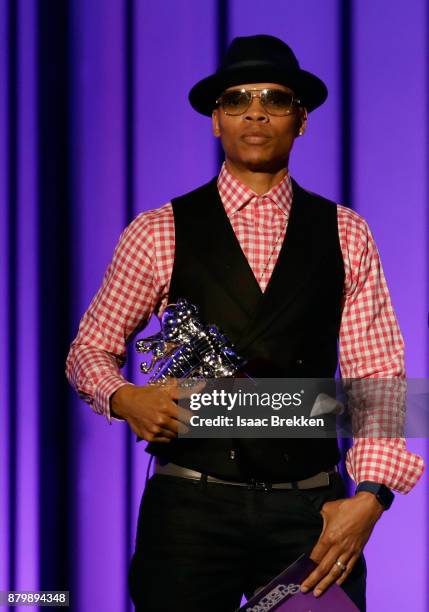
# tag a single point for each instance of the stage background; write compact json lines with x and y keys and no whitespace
{"x":94,"y":128}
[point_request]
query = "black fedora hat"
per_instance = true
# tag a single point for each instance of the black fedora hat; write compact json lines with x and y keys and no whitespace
{"x":258,"y":59}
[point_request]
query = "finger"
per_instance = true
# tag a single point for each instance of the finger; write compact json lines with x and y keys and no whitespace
{"x":332,"y":576}
{"x":163,"y":424}
{"x":320,"y":549}
{"x":184,"y":416}
{"x":171,"y":413}
{"x":347,"y":571}
{"x":183,"y":388}
{"x":146,"y":435}
{"x":323,"y":568}
{"x":175,"y":424}
{"x":182,"y":429}
{"x":169,"y":408}
{"x":164,"y":433}
{"x":322,"y":545}
{"x":167,"y":429}
{"x":158,"y":432}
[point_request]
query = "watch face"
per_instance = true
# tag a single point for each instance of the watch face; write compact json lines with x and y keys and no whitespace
{"x":385,"y":496}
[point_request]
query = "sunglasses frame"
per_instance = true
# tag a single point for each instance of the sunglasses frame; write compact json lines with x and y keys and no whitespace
{"x":253,"y":94}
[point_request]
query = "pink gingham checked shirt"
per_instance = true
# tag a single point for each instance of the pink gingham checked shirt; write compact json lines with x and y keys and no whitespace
{"x":136,"y":285}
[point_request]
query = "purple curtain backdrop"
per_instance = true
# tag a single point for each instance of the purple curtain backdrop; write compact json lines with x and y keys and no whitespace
{"x":5,"y":542}
{"x":19,"y":476}
{"x":391,"y":192}
{"x":131,"y":143}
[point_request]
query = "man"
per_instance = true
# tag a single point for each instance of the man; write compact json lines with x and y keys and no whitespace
{"x":207,"y":531}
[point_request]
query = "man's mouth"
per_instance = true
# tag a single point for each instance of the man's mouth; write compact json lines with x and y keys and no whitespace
{"x":255,"y":138}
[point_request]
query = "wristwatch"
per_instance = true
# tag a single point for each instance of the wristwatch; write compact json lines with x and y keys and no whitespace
{"x":382,"y":493}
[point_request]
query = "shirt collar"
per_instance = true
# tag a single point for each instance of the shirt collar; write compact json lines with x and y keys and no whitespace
{"x":235,"y":195}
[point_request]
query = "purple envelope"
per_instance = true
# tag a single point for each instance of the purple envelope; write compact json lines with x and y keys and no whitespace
{"x":283,"y":593}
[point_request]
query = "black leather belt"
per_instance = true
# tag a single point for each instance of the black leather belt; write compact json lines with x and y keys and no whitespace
{"x":322,"y":479}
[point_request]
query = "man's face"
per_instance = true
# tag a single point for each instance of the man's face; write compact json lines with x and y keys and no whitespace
{"x":256,"y":140}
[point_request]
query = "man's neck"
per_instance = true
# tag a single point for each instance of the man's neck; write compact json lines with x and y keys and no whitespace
{"x":259,"y":182}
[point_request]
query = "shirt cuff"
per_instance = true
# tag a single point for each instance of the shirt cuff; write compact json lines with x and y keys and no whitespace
{"x":104,"y":391}
{"x":387,"y":463}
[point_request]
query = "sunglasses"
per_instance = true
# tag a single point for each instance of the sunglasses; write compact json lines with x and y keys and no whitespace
{"x":275,"y":101}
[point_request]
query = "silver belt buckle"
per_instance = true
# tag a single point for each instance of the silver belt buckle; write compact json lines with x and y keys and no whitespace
{"x":258,"y":485}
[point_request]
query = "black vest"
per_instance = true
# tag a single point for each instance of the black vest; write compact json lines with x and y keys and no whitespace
{"x":290,"y":330}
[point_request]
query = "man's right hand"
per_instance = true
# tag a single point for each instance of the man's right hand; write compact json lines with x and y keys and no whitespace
{"x":151,"y":411}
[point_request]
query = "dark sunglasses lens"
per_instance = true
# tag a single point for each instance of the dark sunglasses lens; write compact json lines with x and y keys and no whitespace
{"x":277,"y":102}
{"x":234,"y":102}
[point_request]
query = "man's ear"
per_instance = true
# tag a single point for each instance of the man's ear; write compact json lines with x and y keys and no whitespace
{"x":302,"y":123}
{"x":215,"y":123}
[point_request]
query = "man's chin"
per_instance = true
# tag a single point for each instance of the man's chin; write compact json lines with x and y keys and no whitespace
{"x":264,"y":165}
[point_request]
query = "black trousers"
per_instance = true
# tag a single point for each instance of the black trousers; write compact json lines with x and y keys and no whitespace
{"x":199,"y":546}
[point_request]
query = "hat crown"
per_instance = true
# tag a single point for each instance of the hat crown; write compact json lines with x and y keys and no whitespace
{"x":258,"y":59}
{"x":259,"y":48}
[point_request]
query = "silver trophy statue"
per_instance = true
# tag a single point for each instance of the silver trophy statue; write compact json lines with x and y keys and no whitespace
{"x":186,"y":348}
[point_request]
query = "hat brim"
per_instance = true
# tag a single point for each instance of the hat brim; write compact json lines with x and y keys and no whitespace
{"x":311,"y":90}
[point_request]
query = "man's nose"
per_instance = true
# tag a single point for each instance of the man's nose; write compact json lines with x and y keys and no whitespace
{"x":256,"y":112}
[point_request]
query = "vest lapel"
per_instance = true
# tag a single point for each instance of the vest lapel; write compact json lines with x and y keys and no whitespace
{"x":294,"y":267}
{"x":219,"y":250}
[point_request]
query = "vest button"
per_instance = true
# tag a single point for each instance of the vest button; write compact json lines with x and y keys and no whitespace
{"x":286,"y":457}
{"x":299,"y":361}
{"x":232,"y":454}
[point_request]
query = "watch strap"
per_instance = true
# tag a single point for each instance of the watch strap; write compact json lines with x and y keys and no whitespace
{"x":381,"y":491}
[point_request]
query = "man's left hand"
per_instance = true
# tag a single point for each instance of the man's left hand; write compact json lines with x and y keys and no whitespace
{"x":347,"y":525}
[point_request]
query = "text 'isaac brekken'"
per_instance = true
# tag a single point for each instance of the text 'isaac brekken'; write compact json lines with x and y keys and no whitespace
{"x":272,"y":421}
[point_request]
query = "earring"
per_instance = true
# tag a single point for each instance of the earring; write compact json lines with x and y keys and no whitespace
{"x":301,"y":132}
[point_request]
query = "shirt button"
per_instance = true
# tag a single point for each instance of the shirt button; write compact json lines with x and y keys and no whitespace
{"x":232,"y":454}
